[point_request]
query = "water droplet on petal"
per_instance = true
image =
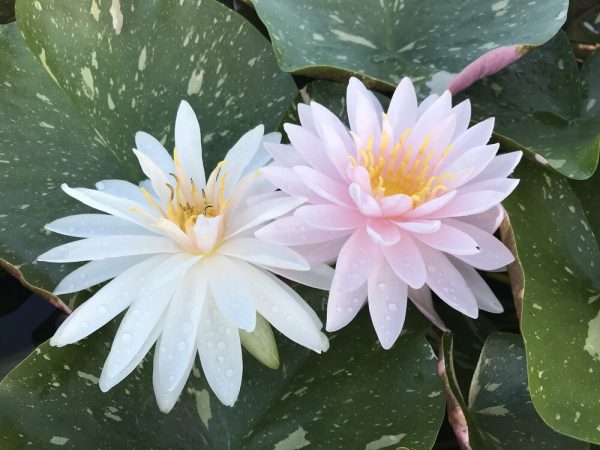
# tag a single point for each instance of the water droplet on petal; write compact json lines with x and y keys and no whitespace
{"x":220,"y":358}
{"x":126,"y":338}
{"x":349,"y":309}
{"x":181,"y":346}
{"x":229,"y":372}
{"x":432,"y":268}
{"x":221,"y":345}
{"x":381,"y":286}
{"x":102,"y":309}
{"x":392,"y":307}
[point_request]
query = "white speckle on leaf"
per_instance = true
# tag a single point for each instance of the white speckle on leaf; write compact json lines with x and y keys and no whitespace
{"x":195,"y":82}
{"x":592,"y":342}
{"x":59,"y":440}
{"x":491,"y":387}
{"x":95,"y":11}
{"x":88,"y":82}
{"x":318,"y":37}
{"x":117,"y":16}
{"x":88,"y":376}
{"x":202,"y":405}
{"x":111,"y":104}
{"x":590,"y":104}
{"x":142,"y":59}
{"x":46,"y":125}
{"x":294,"y":441}
{"x":499,"y":410}
{"x":439,"y":82}
{"x":347,"y":37}
{"x":37,"y":5}
{"x":45,"y":64}
{"x":384,"y":441}
{"x":407,"y":47}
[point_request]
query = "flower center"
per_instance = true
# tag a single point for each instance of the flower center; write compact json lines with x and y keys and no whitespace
{"x":399,"y":169}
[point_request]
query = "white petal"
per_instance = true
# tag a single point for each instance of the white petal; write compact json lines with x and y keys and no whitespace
{"x":319,"y":276}
{"x":145,"y":314}
{"x":96,"y":272}
{"x":256,"y":251}
{"x":103,"y":306}
{"x":207,"y":231}
{"x":188,"y":144}
{"x":123,"y":189}
{"x":231,"y":291}
{"x":293,"y":231}
{"x":176,"y":347}
{"x":285,"y":155}
{"x":155,"y":151}
{"x":90,"y":225}
{"x":283,"y":308}
{"x":109,"y":247}
{"x":387,"y":304}
{"x":220,"y":353}
{"x":124,"y":208}
{"x":240,"y":156}
{"x":262,"y":156}
{"x":156,"y":176}
{"x":342,"y":307}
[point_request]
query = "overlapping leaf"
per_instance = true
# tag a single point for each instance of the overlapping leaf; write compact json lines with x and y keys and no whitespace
{"x":553,"y":226}
{"x":545,"y":106}
{"x":383,"y":41}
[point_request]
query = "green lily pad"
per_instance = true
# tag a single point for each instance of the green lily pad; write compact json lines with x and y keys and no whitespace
{"x":73,"y":117}
{"x":383,"y":41}
{"x":560,"y":259}
{"x":499,"y":412}
{"x":354,"y":396}
{"x":546,"y":107}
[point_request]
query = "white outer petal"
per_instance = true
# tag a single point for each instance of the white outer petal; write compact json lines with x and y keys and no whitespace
{"x":91,"y":225}
{"x":258,"y":252}
{"x":188,"y":144}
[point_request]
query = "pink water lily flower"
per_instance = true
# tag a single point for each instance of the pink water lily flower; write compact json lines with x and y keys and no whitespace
{"x":408,"y":199}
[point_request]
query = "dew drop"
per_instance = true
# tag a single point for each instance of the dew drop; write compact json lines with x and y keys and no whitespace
{"x":289,"y":317}
{"x":392,"y":307}
{"x":181,"y":346}
{"x":381,"y":286}
{"x":220,"y":358}
{"x":126,"y":338}
{"x":221,"y":345}
{"x":229,"y":372}
{"x":388,"y":318}
{"x":349,"y":309}
{"x":432,"y":268}
{"x":355,"y":300}
{"x":102,"y":309}
{"x":338,"y":309}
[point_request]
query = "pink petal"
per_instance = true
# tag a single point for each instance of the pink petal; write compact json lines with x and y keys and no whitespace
{"x":421,"y":298}
{"x":420,"y":226}
{"x":506,"y":185}
{"x":383,"y":232}
{"x":330,"y":217}
{"x":395,"y":205}
{"x":405,"y":260}
{"x":293,"y":231}
{"x":402,"y":111}
{"x":447,"y":282}
{"x":355,"y":261}
{"x":474,"y":160}
{"x":285,"y":154}
{"x":493,"y":253}
{"x":487,"y":64}
{"x":306,"y":118}
{"x":324,"y":186}
{"x":342,"y":307}
{"x":488,"y":221}
{"x":450,"y":240}
{"x":431,"y":206}
{"x":336,"y":150}
{"x":363,"y":115}
{"x":500,"y":167}
{"x":435,"y":114}
{"x":462,"y":112}
{"x":486,"y":299}
{"x":289,"y":182}
{"x":311,"y":149}
{"x":323,"y":253}
{"x":441,"y":135}
{"x":323,"y":117}
{"x":475,"y":136}
{"x":364,"y":201}
{"x":387,"y":304}
{"x":360,"y":176}
{"x":471,"y":203}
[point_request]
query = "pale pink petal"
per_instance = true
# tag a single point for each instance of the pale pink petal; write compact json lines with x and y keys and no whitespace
{"x":426,"y":103}
{"x":290,"y":182}
{"x":420,"y":226}
{"x":475,"y":159}
{"x":336,"y":150}
{"x":431,"y":206}
{"x":486,"y":300}
{"x":310,"y":148}
{"x":471,"y":203}
{"x":360,"y":176}
{"x":441,"y":135}
{"x":493,"y":253}
{"x":402,"y":111}
{"x":476,"y":136}
{"x":447,"y":282}
{"x":285,"y":155}
{"x":387,"y":303}
{"x":493,"y":184}
{"x":383,"y":232}
{"x":500,"y":167}
{"x":405,"y":260}
{"x":364,"y":201}
{"x":330,"y":217}
{"x":355,"y":261}
{"x":256,"y":251}
{"x":363,"y":115}
{"x":487,"y":64}
{"x":395,"y":205}
{"x":462,"y":111}
{"x":293,"y":231}
{"x":322,"y":185}
{"x":342,"y":307}
{"x":488,"y":221}
{"x":319,"y":276}
{"x":421,"y":298}
{"x":433,"y":115}
{"x":323,"y":117}
{"x":450,"y":240}
{"x":323,"y":253}
{"x":306,"y":119}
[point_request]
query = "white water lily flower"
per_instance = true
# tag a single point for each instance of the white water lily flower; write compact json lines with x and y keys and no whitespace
{"x":185,"y":263}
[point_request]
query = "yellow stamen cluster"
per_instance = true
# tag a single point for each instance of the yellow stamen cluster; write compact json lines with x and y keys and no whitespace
{"x":401,"y":170}
{"x":187,"y":202}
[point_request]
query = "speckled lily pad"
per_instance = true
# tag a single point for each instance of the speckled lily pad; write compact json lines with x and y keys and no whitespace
{"x":553,"y":221}
{"x":382,"y":41}
{"x":356,"y":395}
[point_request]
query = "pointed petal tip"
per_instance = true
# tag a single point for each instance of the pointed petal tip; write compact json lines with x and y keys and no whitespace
{"x":324,"y":343}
